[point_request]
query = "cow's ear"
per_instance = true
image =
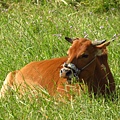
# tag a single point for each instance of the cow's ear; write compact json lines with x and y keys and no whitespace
{"x":101,"y":48}
{"x":69,"y":39}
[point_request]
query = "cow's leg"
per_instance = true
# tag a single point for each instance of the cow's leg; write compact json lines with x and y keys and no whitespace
{"x":8,"y":83}
{"x":70,"y":90}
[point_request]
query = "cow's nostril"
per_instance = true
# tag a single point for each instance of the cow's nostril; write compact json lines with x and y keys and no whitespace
{"x":61,"y":71}
{"x":68,"y":72}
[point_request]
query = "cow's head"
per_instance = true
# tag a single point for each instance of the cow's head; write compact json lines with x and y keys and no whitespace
{"x":82,"y":58}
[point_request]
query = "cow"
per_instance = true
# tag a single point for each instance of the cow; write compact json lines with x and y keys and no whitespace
{"x":86,"y":63}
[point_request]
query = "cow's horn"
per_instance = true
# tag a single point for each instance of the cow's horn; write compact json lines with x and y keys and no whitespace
{"x":98,"y":42}
{"x":69,"y":39}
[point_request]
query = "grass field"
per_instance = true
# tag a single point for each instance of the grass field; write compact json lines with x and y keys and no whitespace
{"x":32,"y":31}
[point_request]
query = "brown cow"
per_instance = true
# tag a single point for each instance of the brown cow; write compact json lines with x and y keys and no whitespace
{"x":86,"y":63}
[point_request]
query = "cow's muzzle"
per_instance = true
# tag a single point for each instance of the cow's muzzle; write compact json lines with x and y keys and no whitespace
{"x":65,"y":73}
{"x":69,"y":71}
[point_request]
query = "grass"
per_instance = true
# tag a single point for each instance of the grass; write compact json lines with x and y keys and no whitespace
{"x":33,"y":32}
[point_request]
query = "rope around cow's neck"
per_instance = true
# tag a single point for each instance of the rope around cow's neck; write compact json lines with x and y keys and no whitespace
{"x":88,"y":63}
{"x":76,"y":71}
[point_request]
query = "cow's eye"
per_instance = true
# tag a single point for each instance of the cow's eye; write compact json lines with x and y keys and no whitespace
{"x":84,"y":55}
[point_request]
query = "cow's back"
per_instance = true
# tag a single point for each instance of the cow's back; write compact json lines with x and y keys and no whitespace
{"x":44,"y":73}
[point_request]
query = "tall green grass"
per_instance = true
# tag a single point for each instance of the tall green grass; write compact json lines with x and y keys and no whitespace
{"x":33,"y":32}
